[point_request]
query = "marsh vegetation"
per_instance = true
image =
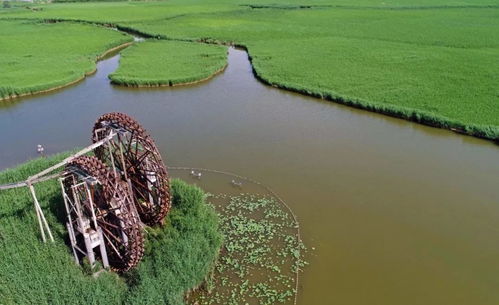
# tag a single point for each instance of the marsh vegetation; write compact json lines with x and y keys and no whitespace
{"x":433,"y":63}
{"x":168,"y":63}
{"x":178,"y":256}
{"x":37,"y":56}
{"x":388,"y":203}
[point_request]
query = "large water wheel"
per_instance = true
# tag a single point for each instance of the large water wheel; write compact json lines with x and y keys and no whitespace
{"x":100,"y":204}
{"x":134,"y":155}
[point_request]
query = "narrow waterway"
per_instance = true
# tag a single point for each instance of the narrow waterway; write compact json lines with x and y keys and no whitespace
{"x":398,"y":213}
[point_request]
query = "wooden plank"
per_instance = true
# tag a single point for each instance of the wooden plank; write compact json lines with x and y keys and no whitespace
{"x":41,"y":176}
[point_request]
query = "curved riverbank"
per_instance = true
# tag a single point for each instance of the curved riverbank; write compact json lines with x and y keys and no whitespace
{"x":176,"y":84}
{"x":264,"y":70}
{"x":487,"y":132}
{"x":150,"y":80}
{"x":70,"y":83}
{"x":163,"y":63}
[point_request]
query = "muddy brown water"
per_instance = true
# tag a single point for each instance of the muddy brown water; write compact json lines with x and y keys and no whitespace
{"x":398,"y":213}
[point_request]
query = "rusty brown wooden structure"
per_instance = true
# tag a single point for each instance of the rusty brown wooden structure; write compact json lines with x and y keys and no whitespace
{"x":109,"y":197}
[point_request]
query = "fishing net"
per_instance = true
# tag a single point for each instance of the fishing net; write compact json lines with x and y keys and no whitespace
{"x":262,"y":254}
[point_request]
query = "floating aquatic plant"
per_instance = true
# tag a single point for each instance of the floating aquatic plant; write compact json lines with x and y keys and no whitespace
{"x":261,"y":256}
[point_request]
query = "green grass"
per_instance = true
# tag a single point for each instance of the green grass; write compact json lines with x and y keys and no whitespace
{"x":38,"y":56}
{"x":160,"y":62}
{"x":117,"y":12}
{"x":178,"y":257}
{"x":434,"y":66}
{"x":434,"y":62}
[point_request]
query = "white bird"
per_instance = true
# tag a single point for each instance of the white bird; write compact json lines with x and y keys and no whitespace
{"x":196,"y":175}
{"x":235,"y":183}
{"x":40,"y":149}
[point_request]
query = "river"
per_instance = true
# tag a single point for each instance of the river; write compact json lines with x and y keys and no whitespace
{"x":398,"y":213}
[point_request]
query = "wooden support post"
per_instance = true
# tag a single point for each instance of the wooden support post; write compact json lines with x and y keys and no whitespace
{"x":72,"y":239}
{"x":41,"y":217}
{"x":103,"y":251}
{"x":40,"y":223}
{"x":90,"y":249}
{"x":69,"y":223}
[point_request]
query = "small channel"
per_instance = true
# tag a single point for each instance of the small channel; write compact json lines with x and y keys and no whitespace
{"x":398,"y":213}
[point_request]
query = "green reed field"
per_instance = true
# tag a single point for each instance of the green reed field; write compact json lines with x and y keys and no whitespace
{"x":434,"y":62}
{"x":164,"y":62}
{"x":36,"y":56}
{"x":177,"y":258}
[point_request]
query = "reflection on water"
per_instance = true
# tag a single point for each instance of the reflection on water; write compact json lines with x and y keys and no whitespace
{"x":398,"y":213}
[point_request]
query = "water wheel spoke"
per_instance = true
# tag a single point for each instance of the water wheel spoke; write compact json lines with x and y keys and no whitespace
{"x":138,"y":184}
{"x":101,"y":221}
{"x":113,"y":247}
{"x":139,"y":161}
{"x":143,"y":177}
{"x":139,"y":195}
{"x":109,"y":233}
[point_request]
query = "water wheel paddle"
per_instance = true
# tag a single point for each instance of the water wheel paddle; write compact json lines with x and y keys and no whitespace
{"x":133,"y":152}
{"x":112,"y":207}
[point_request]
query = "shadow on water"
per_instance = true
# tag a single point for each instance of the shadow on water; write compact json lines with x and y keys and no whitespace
{"x":399,"y":213}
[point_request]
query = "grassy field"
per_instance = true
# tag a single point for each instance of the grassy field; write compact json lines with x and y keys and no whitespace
{"x":433,"y":62}
{"x":160,"y":62}
{"x":37,"y":56}
{"x":434,"y":66}
{"x":177,"y":258}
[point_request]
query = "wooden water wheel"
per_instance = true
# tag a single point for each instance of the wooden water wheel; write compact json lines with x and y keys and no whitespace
{"x":102,"y":202}
{"x":133,"y":153}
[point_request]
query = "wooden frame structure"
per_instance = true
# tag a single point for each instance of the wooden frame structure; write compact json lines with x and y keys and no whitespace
{"x":110,"y":196}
